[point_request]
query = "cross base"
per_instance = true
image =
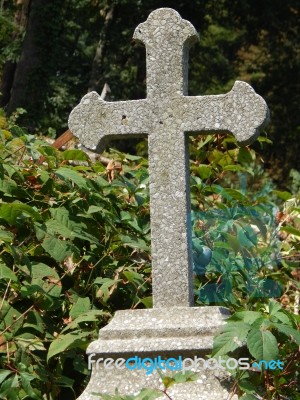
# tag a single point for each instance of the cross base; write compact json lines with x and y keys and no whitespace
{"x":181,"y":331}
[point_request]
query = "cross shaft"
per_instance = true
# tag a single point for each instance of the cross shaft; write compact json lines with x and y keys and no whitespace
{"x":166,"y":116}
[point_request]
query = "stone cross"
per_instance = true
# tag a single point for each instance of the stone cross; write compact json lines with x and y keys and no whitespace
{"x":167,"y":116}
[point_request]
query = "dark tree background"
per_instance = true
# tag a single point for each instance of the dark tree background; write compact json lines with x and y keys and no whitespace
{"x":53,"y":52}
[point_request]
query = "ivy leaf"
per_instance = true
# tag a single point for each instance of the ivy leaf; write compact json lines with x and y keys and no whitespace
{"x":247,"y":386}
{"x":94,"y":209}
{"x":262,"y":344}
{"x":12,"y":211}
{"x":4,"y":373}
{"x":134,"y":242}
{"x":284,"y":195}
{"x":54,"y":227}
{"x":106,"y":287}
{"x":288,"y":331}
{"x":243,"y":237}
{"x":147,"y":301}
{"x":82,"y":305}
{"x":74,"y":154}
{"x":7,"y":273}
{"x":205,"y":171}
{"x":90,"y":316}
{"x":244,"y":156}
{"x":274,"y":307}
{"x":67,"y":341}
{"x":58,"y":249}
{"x":72,"y":175}
{"x":232,"y":336}
{"x":8,"y":187}
{"x":290,"y":229}
{"x":247,"y":316}
{"x":6,"y":236}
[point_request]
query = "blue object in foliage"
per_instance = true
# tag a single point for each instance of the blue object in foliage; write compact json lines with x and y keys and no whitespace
{"x":201,"y":257}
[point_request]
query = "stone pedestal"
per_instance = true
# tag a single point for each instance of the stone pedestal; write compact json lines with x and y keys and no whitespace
{"x":168,"y":333}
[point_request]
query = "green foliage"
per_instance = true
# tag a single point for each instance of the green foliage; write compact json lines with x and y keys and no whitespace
{"x":68,"y":244}
{"x":255,"y":247}
{"x":74,"y":247}
{"x":270,"y":334}
{"x":234,"y":216}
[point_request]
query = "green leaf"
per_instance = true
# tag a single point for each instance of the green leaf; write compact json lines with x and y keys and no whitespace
{"x":187,"y":376}
{"x":82,"y":305}
{"x":203,"y":141}
{"x":8,"y":187}
{"x":247,"y":386}
{"x":106,"y":284}
{"x":288,"y":331}
{"x":244,"y":156}
{"x":4,"y":374}
{"x":290,"y":229}
{"x":58,"y":249}
{"x":10,"y":387}
{"x":10,"y":317}
{"x":234,"y":168}
{"x":233,"y":242}
{"x":61,"y":214}
{"x":232,"y":336}
{"x":262,"y":345}
{"x":133,"y":277}
{"x":132,"y":157}
{"x":65,"y":342}
{"x":45,"y":281}
{"x":74,"y":176}
{"x":94,"y":209}
{"x":261,"y":226}
{"x":54,"y":227}
{"x":29,"y":341}
{"x":205,"y":171}
{"x":64,"y":381}
{"x":283,"y":317}
{"x":263,"y":139}
{"x":233,"y":194}
{"x":6,"y":236}
{"x":101,"y":182}
{"x":248,"y":317}
{"x":34,"y":321}
{"x":81,"y":234}
{"x":147,"y":301}
{"x":12,"y":211}
{"x":243,"y":238}
{"x":274,"y":307}
{"x":7,"y":273}
{"x":48,"y":151}
{"x":134,"y":242}
{"x":282,"y":194}
{"x":90,"y":316}
{"x":74,"y":154}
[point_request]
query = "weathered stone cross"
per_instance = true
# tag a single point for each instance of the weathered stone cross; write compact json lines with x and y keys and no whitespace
{"x":167,"y":115}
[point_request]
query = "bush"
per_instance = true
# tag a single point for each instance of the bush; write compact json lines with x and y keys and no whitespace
{"x":74,"y":247}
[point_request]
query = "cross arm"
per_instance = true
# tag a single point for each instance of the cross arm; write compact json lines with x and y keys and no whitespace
{"x":241,"y":112}
{"x":95,"y":120}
